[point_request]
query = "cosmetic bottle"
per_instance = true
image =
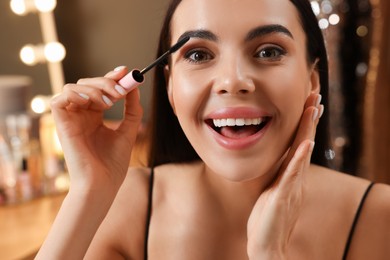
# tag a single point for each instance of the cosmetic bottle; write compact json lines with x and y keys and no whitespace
{"x":18,"y":131}
{"x":51,"y":153}
{"x":25,"y":191}
{"x":35,"y":168}
{"x":7,"y":168}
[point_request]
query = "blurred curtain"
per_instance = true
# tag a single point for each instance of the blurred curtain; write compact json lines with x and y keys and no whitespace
{"x":375,"y":161}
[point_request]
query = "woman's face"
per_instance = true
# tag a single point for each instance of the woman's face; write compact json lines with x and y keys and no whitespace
{"x":238,"y":87}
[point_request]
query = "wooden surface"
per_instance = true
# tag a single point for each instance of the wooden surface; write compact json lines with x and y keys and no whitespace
{"x":23,"y":227}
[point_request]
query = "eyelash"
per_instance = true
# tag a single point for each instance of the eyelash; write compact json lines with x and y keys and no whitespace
{"x":208,"y":56}
{"x":273,"y":49}
{"x":190,"y":53}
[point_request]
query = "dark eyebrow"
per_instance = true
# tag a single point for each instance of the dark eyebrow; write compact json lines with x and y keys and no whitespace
{"x":254,"y":33}
{"x":202,"y":34}
{"x":267,"y":29}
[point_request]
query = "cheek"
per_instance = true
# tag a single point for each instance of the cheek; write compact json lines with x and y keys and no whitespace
{"x":289,"y":94}
{"x":291,"y":90}
{"x":188,"y":94}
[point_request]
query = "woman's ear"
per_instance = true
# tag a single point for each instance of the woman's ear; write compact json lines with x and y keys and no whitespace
{"x":315,"y":85}
{"x":168,"y":83}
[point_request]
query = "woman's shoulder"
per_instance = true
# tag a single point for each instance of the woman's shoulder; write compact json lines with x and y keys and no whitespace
{"x":123,"y":229}
{"x":346,"y":188}
{"x":364,"y":210}
{"x":343,"y":181}
{"x":134,"y":191}
{"x":136,"y":184}
{"x":137,"y":175}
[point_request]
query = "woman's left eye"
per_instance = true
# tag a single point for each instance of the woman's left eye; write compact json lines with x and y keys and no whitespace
{"x":270,"y":53}
{"x":198,"y":56}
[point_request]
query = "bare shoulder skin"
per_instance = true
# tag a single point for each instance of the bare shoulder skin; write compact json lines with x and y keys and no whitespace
{"x":372,"y":234}
{"x":331,"y":202}
{"x":122,"y":233}
{"x":192,"y":220}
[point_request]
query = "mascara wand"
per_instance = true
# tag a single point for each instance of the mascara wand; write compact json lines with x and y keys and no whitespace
{"x":135,"y":77}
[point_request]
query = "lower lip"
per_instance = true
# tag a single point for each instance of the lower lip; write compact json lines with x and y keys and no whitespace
{"x":241,"y":143}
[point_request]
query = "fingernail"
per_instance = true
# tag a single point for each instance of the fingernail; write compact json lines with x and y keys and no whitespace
{"x":311,"y":147}
{"x":83,"y":96}
{"x":120,"y":90}
{"x":318,"y":100}
{"x":107,"y":100}
{"x":315,"y":114}
{"x":119,"y":68}
{"x":321,"y":111}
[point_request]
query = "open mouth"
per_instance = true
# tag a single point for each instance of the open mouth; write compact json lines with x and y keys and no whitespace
{"x":236,"y":128}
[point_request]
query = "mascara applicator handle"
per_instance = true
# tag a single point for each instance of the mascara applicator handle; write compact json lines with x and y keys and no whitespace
{"x":132,"y":80}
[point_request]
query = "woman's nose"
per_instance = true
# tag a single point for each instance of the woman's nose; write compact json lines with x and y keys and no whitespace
{"x":233,"y":77}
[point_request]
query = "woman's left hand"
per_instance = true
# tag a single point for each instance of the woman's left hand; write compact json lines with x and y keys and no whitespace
{"x":275,"y":213}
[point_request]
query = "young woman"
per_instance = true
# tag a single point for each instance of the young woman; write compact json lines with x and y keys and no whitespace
{"x":230,"y":174}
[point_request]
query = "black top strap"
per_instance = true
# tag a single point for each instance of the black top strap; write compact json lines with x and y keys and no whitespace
{"x":357,"y":215}
{"x":149,"y":213}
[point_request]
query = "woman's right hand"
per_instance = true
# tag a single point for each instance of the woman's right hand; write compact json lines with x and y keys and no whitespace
{"x":97,"y":156}
{"x":278,"y":208}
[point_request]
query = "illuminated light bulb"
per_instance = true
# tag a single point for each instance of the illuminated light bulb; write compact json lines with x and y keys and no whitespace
{"x":62,"y":182}
{"x":334,"y":19}
{"x":315,"y":6}
{"x":340,"y":141}
{"x":40,"y":104}
{"x":326,"y":7}
{"x":54,"y":52}
{"x":32,"y":54}
{"x":27,"y":55}
{"x":362,"y":31}
{"x":45,"y":5}
{"x":361,"y":69}
{"x":18,"y":7}
{"x":323,"y":23}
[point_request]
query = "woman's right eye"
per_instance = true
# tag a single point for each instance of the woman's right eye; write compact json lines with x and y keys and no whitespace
{"x":198,"y":56}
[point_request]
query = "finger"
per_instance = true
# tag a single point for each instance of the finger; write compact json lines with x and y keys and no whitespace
{"x":68,"y":97}
{"x":296,"y":167}
{"x":306,"y":130}
{"x":60,"y":104}
{"x":309,"y":120}
{"x":117,"y":73}
{"x":107,"y":86}
{"x":307,"y":126}
{"x":98,"y":100}
{"x":132,"y":115}
{"x":313,"y":100}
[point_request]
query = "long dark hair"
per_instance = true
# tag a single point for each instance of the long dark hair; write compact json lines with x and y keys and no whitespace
{"x":167,"y":141}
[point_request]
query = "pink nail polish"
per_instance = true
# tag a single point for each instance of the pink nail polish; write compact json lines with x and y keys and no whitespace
{"x":315,"y":114}
{"x":120,"y":90}
{"x":107,"y":100}
{"x":84,"y":96}
{"x":312,"y":143}
{"x":318,"y":100}
{"x":321,"y":111}
{"x":119,"y":68}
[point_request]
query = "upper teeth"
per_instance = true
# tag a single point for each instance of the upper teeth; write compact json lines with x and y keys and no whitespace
{"x":237,"y":122}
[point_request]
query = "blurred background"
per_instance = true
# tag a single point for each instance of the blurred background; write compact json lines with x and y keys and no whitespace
{"x":92,"y":37}
{"x":47,"y":43}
